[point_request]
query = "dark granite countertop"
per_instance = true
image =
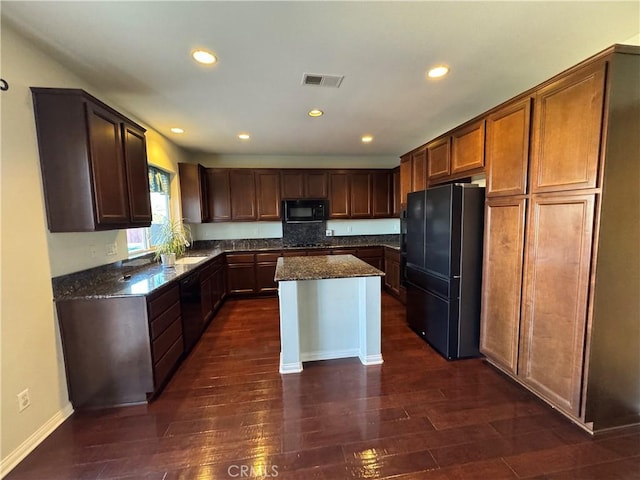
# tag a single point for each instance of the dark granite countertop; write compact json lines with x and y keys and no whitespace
{"x":140,"y":277}
{"x":322,"y":267}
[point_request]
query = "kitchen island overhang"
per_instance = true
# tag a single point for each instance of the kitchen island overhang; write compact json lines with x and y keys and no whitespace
{"x":330,"y":307}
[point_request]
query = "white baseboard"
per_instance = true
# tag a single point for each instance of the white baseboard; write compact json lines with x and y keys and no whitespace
{"x":294,"y":367}
{"x":14,"y":458}
{"x":372,"y":359}
{"x":314,"y":356}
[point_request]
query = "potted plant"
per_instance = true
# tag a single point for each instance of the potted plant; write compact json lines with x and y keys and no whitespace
{"x":172,"y":241}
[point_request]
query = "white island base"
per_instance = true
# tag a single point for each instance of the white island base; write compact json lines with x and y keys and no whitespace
{"x":329,"y":318}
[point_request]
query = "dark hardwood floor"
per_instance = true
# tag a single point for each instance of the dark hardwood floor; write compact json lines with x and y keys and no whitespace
{"x":228,"y":410}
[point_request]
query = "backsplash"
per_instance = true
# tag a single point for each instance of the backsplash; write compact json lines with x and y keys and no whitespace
{"x":302,"y":234}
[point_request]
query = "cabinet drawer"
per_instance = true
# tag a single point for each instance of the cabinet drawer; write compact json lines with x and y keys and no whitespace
{"x":161,"y":323}
{"x":166,"y":339}
{"x":267,"y":257}
{"x":239,"y":258}
{"x":318,"y":252}
{"x":158,"y":305}
{"x":294,"y":253}
{"x":371,"y":252}
{"x":345,"y":251}
{"x":163,"y":368}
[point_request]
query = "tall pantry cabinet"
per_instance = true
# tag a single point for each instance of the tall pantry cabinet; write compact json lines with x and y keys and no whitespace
{"x":560,"y":309}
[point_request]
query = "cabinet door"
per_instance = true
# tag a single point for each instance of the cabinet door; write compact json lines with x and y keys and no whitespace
{"x":315,"y":184}
{"x":107,"y":167}
{"x":265,"y":272}
{"x":241,"y":278}
{"x":268,"y":195}
{"x":292,"y":184}
{"x":360,"y":195}
{"x":419,"y":170}
{"x":135,"y":158}
{"x":405,"y":177}
{"x":397,"y":207}
{"x":556,"y":287}
{"x":507,"y":149}
{"x":502,"y":280}
{"x":219,"y":196}
{"x":438,"y":159}
{"x":467,"y":148}
{"x":567,"y":118}
{"x":243,"y":195}
{"x":382,"y":194}
{"x":193,"y":192}
{"x":339,"y":195}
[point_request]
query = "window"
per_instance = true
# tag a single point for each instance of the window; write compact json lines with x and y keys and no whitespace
{"x":141,"y":240}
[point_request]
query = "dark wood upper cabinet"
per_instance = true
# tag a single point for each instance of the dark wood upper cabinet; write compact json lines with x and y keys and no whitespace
{"x":467,"y":148}
{"x":360,"y":205}
{"x":339,"y":196}
{"x":135,"y":150}
{"x":93,"y":161}
{"x":567,"y":118}
{"x":249,"y":195}
{"x":507,"y":149}
{"x":193,"y":192}
{"x":219,"y":195}
{"x":268,"y":194}
{"x":397,"y":202}
{"x":316,"y":184}
{"x":292,"y":184}
{"x":405,"y":177}
{"x":304,"y":184}
{"x":438,"y":158}
{"x":419,"y":170}
{"x":107,"y":165}
{"x":243,"y":195}
{"x":382,"y":194}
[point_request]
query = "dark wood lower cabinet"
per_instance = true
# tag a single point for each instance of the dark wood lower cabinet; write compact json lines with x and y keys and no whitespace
{"x":120,"y":350}
{"x":392,"y":271}
{"x":252,"y":273}
{"x":265,"y":272}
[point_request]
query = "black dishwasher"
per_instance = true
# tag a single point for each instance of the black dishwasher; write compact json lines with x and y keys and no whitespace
{"x":191,"y":306}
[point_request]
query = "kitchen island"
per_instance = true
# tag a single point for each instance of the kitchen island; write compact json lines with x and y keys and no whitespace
{"x":329,"y":308}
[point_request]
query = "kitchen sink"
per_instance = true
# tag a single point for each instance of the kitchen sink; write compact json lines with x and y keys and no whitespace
{"x":189,"y":260}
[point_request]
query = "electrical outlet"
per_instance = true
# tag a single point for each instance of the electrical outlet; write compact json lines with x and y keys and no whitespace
{"x":111,"y":248}
{"x":349,"y":229}
{"x":23,"y":400}
{"x":329,"y":233}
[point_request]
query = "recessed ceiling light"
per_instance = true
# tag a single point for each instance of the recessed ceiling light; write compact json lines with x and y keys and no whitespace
{"x":244,"y":136}
{"x":177,"y":130}
{"x":437,"y":72}
{"x":316,"y":113}
{"x":367,"y":138}
{"x":204,"y":57}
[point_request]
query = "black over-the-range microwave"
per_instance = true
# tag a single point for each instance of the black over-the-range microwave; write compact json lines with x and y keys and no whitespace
{"x":304,"y":210}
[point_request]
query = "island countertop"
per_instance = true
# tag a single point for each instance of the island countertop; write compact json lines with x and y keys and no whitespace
{"x":323,"y":267}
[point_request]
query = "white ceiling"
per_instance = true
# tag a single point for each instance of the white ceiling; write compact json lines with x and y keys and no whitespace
{"x":137,"y":54}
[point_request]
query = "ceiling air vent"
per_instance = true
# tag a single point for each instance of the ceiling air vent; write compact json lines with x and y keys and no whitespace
{"x":319,"y":80}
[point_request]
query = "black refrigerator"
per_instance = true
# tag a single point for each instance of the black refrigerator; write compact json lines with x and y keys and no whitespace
{"x":444,"y":267}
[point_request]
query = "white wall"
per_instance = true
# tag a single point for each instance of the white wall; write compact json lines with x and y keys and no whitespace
{"x":30,"y":352}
